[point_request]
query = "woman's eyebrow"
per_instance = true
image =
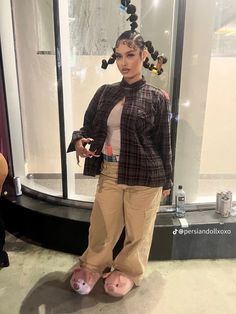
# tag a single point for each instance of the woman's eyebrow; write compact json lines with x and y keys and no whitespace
{"x":119,"y":53}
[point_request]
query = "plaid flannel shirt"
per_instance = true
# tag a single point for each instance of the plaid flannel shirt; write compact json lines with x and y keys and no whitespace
{"x":145,"y":150}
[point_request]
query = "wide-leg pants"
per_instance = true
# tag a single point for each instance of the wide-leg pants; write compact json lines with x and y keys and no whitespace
{"x":117,"y":206}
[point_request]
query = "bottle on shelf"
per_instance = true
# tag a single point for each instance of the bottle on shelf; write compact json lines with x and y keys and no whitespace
{"x":180,"y":200}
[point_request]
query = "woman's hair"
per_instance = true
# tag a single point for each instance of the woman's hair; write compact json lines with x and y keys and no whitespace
{"x":133,"y":39}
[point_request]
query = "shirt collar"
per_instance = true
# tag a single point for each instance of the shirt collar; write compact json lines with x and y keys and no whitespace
{"x":132,"y":87}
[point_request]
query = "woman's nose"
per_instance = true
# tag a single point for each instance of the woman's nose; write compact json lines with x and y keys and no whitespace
{"x":124,"y":61}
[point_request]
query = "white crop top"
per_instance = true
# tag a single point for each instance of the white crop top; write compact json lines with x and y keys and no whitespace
{"x":112,"y":142}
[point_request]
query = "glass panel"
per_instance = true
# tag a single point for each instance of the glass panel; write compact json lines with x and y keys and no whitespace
{"x":205,"y":155}
{"x":38,"y":97}
{"x":44,"y":26}
{"x":94,"y":27}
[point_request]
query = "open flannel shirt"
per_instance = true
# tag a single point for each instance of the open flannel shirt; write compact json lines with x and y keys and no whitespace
{"x":145,"y":150}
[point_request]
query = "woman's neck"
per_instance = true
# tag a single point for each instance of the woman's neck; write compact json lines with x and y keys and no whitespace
{"x":133,"y":80}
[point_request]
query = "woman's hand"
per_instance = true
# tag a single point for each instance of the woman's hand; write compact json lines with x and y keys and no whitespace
{"x":83,"y":152}
{"x":166,"y":193}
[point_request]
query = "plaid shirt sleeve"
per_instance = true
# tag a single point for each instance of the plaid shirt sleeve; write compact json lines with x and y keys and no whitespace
{"x":165,"y":139}
{"x":88,"y":119}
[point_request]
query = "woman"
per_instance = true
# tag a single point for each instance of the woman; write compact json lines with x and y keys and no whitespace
{"x":4,"y":261}
{"x":127,"y":125}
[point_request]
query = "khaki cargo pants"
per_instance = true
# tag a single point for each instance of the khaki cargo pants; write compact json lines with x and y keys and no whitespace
{"x":117,"y":206}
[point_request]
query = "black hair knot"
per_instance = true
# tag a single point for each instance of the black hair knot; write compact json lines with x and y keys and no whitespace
{"x":133,"y":18}
{"x":104,"y":64}
{"x":154,"y":55}
{"x":111,"y":60}
{"x":133,"y":26}
{"x":131,"y":9}
{"x":125,"y":3}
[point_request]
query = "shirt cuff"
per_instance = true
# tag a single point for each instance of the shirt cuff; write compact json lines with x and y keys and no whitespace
{"x":168,"y":185}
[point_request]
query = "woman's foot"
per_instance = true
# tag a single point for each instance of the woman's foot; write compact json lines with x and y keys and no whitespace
{"x":83,"y":280}
{"x":117,"y":284}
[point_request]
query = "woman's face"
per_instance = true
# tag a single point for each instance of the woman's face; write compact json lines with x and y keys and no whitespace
{"x":129,"y":60}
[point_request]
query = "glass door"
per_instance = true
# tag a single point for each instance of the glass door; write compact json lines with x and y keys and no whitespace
{"x":36,"y":71}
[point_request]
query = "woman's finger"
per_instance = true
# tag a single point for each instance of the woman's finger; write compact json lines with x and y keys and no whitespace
{"x":165,"y":193}
{"x":77,"y":157}
{"x":87,"y":140}
{"x":83,"y":152}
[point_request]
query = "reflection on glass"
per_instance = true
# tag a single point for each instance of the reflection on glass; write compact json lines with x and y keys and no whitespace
{"x":224,"y":37}
{"x":44,"y":25}
{"x":38,"y":97}
{"x":205,"y":152}
{"x":94,"y":27}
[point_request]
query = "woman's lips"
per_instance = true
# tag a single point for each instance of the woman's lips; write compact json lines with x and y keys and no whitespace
{"x":125,"y":71}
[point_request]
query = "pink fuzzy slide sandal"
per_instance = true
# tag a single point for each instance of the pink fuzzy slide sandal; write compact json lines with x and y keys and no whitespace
{"x":83,"y":280}
{"x":117,"y":284}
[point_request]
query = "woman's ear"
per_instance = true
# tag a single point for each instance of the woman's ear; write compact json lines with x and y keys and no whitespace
{"x":145,"y":54}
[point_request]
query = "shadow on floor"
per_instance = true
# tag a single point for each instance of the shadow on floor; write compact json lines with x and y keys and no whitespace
{"x":18,"y":243}
{"x":52,"y":294}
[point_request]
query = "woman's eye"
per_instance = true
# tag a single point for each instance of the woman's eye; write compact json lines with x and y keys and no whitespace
{"x":130,"y":55}
{"x":118,"y":56}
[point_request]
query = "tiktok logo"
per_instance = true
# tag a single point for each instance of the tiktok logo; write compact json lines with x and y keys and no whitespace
{"x":175,"y":231}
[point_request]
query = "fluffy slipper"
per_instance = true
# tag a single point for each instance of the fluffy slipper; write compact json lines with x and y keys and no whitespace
{"x":117,"y":284}
{"x":83,"y":280}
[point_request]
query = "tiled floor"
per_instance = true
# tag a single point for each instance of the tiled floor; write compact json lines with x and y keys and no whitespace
{"x":37,"y":281}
